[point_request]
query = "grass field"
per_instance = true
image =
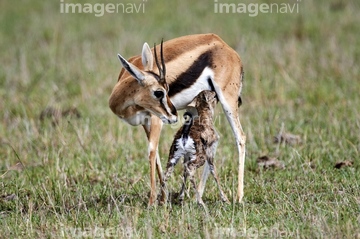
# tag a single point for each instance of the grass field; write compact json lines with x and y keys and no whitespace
{"x":88,"y":177}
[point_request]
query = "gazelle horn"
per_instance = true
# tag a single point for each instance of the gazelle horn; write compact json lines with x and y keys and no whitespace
{"x":162,"y":68}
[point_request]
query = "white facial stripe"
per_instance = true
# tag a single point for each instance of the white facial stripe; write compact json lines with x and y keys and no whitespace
{"x":182,"y":99}
{"x":164,"y":102}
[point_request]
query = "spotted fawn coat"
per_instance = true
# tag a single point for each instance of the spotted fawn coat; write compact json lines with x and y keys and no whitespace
{"x":196,"y":141}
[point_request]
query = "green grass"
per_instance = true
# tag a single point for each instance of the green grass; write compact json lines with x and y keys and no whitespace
{"x":91,"y":174}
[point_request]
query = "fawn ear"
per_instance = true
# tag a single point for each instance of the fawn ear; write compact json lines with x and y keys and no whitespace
{"x":132,"y":69}
{"x":205,"y":97}
{"x":147,"y":58}
{"x":214,"y":95}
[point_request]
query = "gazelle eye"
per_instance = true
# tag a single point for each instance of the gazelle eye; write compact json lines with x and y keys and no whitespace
{"x":159,"y":94}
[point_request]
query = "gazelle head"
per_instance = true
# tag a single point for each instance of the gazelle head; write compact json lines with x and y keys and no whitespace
{"x":151,"y":93}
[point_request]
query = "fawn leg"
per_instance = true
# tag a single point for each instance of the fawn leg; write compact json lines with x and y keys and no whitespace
{"x":191,"y":172}
{"x":182,"y":190}
{"x":213,"y":172}
{"x":204,"y":177}
{"x":189,"y":169}
{"x":187,"y":159}
{"x":173,"y":160}
{"x":192,"y":180}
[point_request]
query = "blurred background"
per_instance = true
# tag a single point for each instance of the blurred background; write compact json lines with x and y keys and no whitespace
{"x":299,"y":65}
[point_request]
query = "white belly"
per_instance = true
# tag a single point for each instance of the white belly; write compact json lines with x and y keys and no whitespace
{"x":186,"y":96}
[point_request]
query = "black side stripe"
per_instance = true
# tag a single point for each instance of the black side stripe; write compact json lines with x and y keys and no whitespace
{"x":188,"y":78}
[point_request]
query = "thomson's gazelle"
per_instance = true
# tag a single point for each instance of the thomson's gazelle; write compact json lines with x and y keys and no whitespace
{"x":149,"y":96}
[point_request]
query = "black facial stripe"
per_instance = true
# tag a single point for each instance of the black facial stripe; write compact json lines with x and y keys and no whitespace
{"x":188,"y":78}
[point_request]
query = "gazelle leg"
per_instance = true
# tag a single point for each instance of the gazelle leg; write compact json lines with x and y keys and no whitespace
{"x":187,"y":160}
{"x":153,"y":131}
{"x":204,"y":177}
{"x":213,"y":172}
{"x":158,"y":167}
{"x":160,"y":175}
{"x":173,"y":160}
{"x":182,"y":190}
{"x":230,"y":107}
{"x":192,"y":180}
{"x":240,"y":138}
{"x":191,"y":171}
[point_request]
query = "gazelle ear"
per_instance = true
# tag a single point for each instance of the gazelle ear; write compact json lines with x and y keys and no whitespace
{"x":147,"y":57}
{"x":133,"y":70}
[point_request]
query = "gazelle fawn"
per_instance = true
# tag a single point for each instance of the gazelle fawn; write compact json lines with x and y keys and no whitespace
{"x":196,"y":141}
